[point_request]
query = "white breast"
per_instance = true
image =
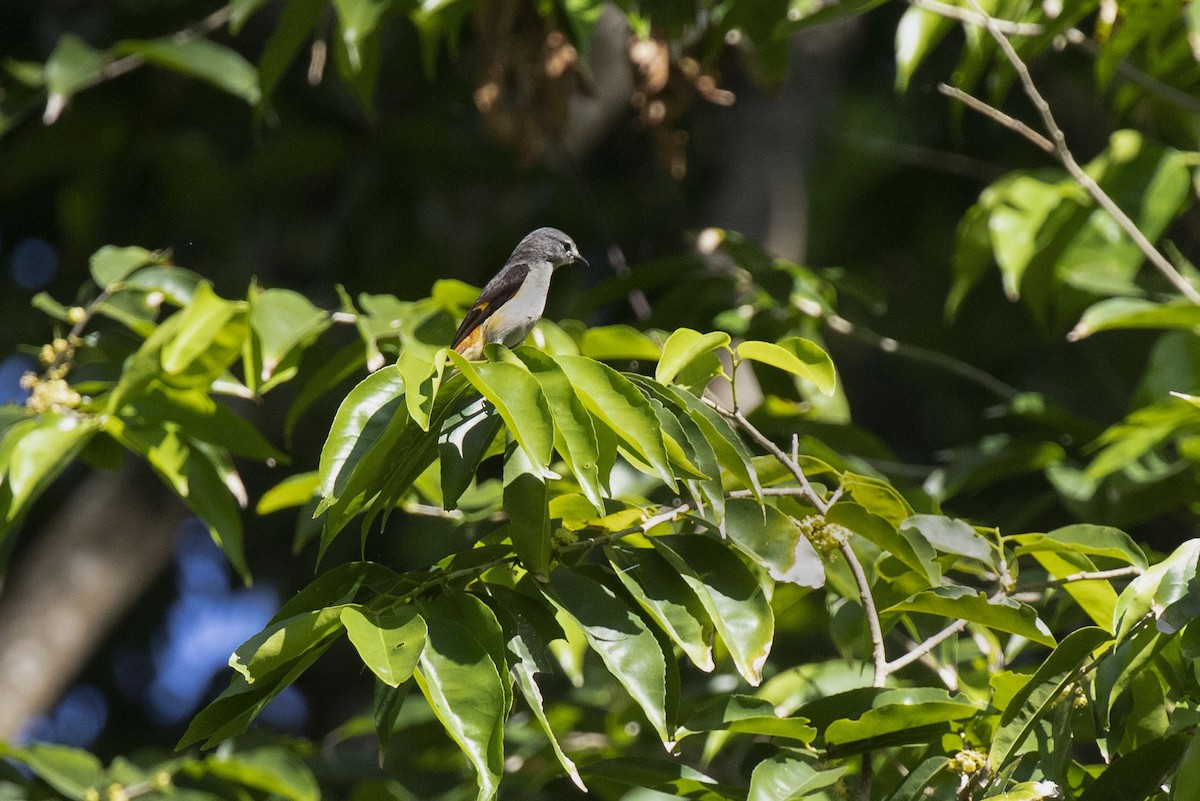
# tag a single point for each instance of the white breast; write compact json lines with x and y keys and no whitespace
{"x":515,"y":319}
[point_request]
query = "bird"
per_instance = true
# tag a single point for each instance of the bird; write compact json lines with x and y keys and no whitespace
{"x":513,"y":301}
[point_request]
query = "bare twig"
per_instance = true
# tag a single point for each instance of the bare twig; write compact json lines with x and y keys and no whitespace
{"x":878,"y":654}
{"x":55,"y":103}
{"x":762,"y":439}
{"x":1064,"y":155}
{"x":1178,"y":97}
{"x":1011,"y":123}
{"x":970,"y":372}
{"x":973,"y":18}
{"x":1132,"y":571}
{"x":924,"y":647}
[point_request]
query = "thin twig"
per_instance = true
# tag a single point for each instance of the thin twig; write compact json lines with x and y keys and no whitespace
{"x":878,"y":654}
{"x":762,"y":439}
{"x":970,"y":372}
{"x":1132,"y":571}
{"x":972,"y":18}
{"x":1064,"y":155}
{"x":924,"y":647}
{"x":1178,"y":97}
{"x":1011,"y":123}
{"x":56,"y":103}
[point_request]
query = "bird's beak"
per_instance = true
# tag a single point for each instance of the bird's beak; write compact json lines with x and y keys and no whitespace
{"x":580,"y":259}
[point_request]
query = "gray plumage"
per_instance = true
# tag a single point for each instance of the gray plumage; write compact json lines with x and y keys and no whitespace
{"x":512,"y":302}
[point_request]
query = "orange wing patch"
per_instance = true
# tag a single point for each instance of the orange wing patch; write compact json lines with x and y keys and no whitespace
{"x":471,"y":346}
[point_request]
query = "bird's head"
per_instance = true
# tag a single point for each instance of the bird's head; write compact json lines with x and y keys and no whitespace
{"x":552,"y":245}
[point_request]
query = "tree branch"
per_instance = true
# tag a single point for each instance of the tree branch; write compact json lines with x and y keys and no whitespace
{"x":1132,"y":571}
{"x":878,"y":654}
{"x":970,"y":372}
{"x":924,"y":647}
{"x":1067,"y":159}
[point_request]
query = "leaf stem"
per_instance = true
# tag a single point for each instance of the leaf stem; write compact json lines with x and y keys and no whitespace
{"x":1081,"y":177}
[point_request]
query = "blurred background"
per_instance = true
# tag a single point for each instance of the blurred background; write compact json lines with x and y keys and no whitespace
{"x":436,"y":177}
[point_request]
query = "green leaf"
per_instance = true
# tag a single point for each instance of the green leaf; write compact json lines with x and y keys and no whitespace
{"x":389,"y":643}
{"x":231,"y":712}
{"x":73,"y":66}
{"x":360,"y":420}
{"x":525,"y":501}
{"x":731,"y":595}
{"x":878,"y":497}
{"x":774,"y":542}
{"x":684,"y":347}
{"x":746,"y":714}
{"x":240,"y":11}
{"x":459,"y":679}
{"x":687,"y":446}
{"x":519,"y":400}
{"x":201,"y":340}
{"x":667,"y":599}
{"x":200,"y":475}
{"x":617,"y":342}
{"x":281,"y":643}
{"x":293,"y":491}
{"x":272,"y":770}
{"x":670,"y":777}
{"x":203,"y":418}
{"x":949,"y":536}
{"x":732,"y":452}
{"x":795,"y":355}
{"x":1139,"y":774}
{"x":422,"y":371}
{"x":462,"y":447}
{"x":615,"y":401}
{"x":782,"y":777}
{"x":1043,"y":690}
{"x":283,"y":323}
{"x":358,"y":20}
{"x":1186,"y":784}
{"x":296,"y":20}
{"x":917,"y":33}
{"x":338,"y":586}
{"x":1160,"y":586}
{"x":111,"y":264}
{"x":200,"y":58}
{"x":912,"y":549}
{"x":899,"y":716}
{"x":1086,"y":539}
{"x":70,"y":771}
{"x":40,"y":453}
{"x":1117,"y":313}
{"x":957,"y":602}
{"x":574,"y":434}
{"x":615,"y":632}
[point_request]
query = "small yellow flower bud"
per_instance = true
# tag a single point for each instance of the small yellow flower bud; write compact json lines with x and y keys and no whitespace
{"x":76,"y":315}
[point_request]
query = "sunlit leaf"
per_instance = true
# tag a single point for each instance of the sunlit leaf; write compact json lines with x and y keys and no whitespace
{"x":684,"y":347}
{"x":389,"y":643}
{"x":746,"y":714}
{"x":667,"y":599}
{"x":515,"y":394}
{"x":614,"y":400}
{"x":459,"y":679}
{"x":783,"y":777}
{"x":957,"y":602}
{"x":773,"y":541}
{"x":1044,"y":689}
{"x":615,"y":632}
{"x":798,"y":356}
{"x":731,"y":595}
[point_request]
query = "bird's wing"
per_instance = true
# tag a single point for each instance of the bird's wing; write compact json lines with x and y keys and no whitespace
{"x":497,"y":292}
